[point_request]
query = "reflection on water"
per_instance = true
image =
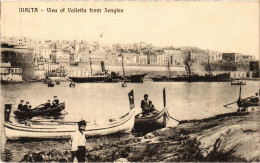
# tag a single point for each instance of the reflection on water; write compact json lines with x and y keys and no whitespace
{"x":98,"y":101}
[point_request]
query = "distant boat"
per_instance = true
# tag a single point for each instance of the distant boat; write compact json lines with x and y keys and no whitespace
{"x":50,"y":83}
{"x":89,"y":79}
{"x":124,"y":85}
{"x":137,"y":78}
{"x":237,"y":82}
{"x":41,"y":111}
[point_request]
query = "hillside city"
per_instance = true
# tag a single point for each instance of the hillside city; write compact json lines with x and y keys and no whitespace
{"x":25,"y":59}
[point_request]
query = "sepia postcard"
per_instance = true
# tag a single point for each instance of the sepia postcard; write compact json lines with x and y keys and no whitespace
{"x":130,"y":81}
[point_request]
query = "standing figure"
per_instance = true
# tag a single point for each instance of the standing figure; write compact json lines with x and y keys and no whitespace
{"x":55,"y":101}
{"x":20,"y":106}
{"x":78,"y":143}
{"x":146,"y":105}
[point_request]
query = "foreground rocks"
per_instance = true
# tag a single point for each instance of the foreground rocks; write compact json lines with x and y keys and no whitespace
{"x":227,"y":137}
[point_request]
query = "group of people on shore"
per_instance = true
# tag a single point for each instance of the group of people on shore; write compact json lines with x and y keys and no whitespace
{"x":27,"y":106}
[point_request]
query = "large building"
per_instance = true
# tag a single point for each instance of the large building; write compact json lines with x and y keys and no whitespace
{"x":231,"y":57}
{"x":20,"y":58}
{"x":10,"y":74}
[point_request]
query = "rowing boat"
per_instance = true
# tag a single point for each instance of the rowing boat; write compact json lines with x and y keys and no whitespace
{"x":41,"y":111}
{"x":238,"y":82}
{"x":246,"y":102}
{"x":154,"y":120}
{"x":34,"y":129}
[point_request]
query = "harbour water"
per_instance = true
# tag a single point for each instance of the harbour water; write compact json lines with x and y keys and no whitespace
{"x":101,"y":101}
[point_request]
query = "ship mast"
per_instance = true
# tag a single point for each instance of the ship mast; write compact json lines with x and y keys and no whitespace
{"x":123,"y":63}
{"x":90,"y":63}
{"x":169,"y":71}
{"x":209,"y":66}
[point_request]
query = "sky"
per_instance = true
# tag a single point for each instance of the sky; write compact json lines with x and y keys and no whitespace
{"x":222,"y":26}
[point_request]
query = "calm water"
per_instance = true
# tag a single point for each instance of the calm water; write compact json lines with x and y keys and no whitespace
{"x":98,"y":101}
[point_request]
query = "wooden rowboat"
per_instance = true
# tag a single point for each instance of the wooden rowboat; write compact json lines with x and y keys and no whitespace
{"x":246,"y":102}
{"x":34,"y":129}
{"x":41,"y":111}
{"x":154,"y":120}
{"x":238,"y":82}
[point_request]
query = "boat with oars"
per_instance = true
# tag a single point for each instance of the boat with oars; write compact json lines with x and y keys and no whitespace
{"x":61,"y":129}
{"x":237,"y":82}
{"x":249,"y":101}
{"x":154,"y":120}
{"x":41,"y":111}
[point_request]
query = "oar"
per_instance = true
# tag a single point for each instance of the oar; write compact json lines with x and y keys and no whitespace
{"x":60,"y":108}
{"x":39,"y":105}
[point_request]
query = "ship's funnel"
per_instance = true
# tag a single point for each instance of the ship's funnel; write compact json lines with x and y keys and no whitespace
{"x":103,"y":66}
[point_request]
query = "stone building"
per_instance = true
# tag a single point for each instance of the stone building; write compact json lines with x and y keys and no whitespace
{"x":20,"y":58}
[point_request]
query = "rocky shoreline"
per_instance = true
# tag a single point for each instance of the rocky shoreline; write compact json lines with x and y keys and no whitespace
{"x":226,"y":137}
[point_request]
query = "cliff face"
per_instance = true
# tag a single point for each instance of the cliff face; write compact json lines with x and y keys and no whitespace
{"x":229,"y":137}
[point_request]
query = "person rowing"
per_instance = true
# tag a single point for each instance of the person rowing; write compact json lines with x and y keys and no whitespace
{"x":47,"y":104}
{"x":55,"y":101}
{"x":26,"y":107}
{"x":20,"y":106}
{"x":255,"y":99}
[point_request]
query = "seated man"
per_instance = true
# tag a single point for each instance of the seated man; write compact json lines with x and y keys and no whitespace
{"x":146,"y":106}
{"x":26,"y":107}
{"x":47,"y":104}
{"x":55,"y":101}
{"x":20,"y":106}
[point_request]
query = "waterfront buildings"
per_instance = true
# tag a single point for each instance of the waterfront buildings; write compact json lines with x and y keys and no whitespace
{"x":10,"y":74}
{"x":41,"y":58}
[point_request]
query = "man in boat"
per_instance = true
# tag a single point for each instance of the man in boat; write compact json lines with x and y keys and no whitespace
{"x":146,"y":105}
{"x":26,"y":107}
{"x":55,"y":102}
{"x":78,"y":143}
{"x":47,"y":104}
{"x":20,"y":106}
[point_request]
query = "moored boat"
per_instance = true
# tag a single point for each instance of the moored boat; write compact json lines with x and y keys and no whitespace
{"x":90,"y":79}
{"x":237,"y":82}
{"x":38,"y":129}
{"x":137,"y":78}
{"x":247,"y":102}
{"x":154,"y":120}
{"x":41,"y":111}
{"x":50,"y":83}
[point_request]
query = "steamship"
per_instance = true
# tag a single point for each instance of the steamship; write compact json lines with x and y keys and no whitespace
{"x":189,"y":77}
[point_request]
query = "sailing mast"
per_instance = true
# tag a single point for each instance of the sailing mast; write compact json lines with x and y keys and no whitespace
{"x":169,"y":71}
{"x":90,"y":63}
{"x":209,"y":63}
{"x":123,"y":63}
